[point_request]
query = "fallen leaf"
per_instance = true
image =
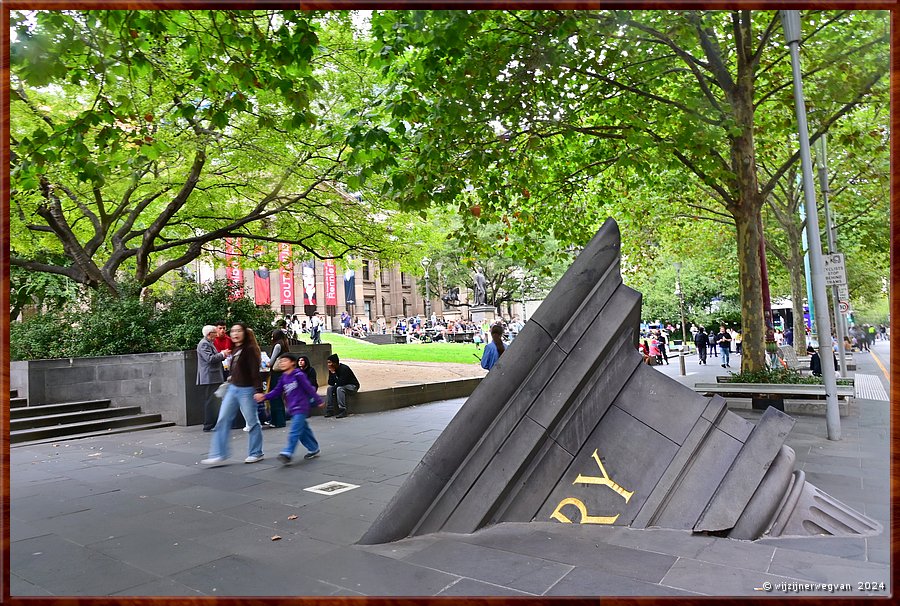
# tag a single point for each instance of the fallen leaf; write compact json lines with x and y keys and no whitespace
{"x":292,"y":517}
{"x":276,"y":538}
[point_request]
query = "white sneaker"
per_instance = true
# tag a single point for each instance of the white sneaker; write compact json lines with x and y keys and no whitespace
{"x":213,"y":461}
{"x":253,"y":459}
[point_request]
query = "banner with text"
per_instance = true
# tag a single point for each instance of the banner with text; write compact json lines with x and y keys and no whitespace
{"x":286,"y":274}
{"x":330,"y":283}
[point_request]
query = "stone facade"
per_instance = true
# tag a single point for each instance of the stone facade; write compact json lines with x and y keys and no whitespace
{"x":379,"y":291}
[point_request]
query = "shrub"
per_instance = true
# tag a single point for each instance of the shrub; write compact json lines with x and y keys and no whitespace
{"x":127,"y":325}
{"x":779,"y":375}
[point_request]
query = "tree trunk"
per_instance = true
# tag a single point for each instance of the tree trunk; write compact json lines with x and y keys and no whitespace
{"x":797,"y":272}
{"x":753,"y":348}
{"x":746,"y":212}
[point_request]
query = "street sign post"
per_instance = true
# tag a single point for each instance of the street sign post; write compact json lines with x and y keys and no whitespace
{"x":835,"y":274}
{"x":845,"y":306}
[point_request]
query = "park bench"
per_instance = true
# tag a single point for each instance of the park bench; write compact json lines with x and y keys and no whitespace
{"x":787,"y":397}
{"x":400,"y":337}
{"x":801,"y":364}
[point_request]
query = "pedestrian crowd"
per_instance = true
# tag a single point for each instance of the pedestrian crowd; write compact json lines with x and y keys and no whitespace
{"x":266,"y":386}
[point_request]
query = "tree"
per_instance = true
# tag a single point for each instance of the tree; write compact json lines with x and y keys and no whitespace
{"x":530,"y":105}
{"x":142,"y":139}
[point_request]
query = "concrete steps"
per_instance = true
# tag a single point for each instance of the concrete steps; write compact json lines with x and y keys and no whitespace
{"x":93,"y":434}
{"x":70,"y":431}
{"x":68,"y":418}
{"x":40,"y":423}
{"x":24,"y":412}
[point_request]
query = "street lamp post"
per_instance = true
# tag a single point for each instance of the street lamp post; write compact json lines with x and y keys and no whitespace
{"x":839,"y":329}
{"x":680,"y":294}
{"x":425,"y":262}
{"x":790,"y":21}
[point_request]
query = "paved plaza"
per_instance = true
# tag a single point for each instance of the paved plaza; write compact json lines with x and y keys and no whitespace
{"x":137,"y":515}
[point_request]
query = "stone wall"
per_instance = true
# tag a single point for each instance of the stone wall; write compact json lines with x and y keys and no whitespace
{"x":161,"y":383}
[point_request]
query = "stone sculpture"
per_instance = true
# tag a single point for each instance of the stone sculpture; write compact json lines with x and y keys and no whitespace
{"x":570,"y":426}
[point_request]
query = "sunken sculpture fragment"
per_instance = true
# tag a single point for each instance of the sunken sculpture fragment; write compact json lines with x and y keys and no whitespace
{"x":570,"y":426}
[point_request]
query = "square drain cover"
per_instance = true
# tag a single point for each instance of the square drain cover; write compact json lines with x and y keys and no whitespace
{"x":331,"y":488}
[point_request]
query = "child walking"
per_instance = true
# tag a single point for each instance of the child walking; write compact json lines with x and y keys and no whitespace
{"x":298,"y":395}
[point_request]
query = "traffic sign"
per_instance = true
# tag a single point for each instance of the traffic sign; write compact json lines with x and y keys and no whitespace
{"x":835,"y":273}
{"x":844,"y":306}
{"x":843,"y":292}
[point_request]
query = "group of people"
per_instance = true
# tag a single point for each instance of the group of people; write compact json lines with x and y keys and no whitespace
{"x":653,"y":348}
{"x":230,"y":366}
{"x":716,"y":343}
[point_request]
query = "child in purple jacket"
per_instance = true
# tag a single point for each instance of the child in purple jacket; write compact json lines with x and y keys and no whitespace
{"x":298,"y":394}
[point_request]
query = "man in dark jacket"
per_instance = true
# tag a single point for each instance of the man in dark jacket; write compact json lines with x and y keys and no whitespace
{"x":701,"y":340}
{"x":341,"y":380}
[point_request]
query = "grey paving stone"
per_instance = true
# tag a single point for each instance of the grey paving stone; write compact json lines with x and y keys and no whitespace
{"x":335,"y":529}
{"x":530,"y":574}
{"x":471,"y":587}
{"x":188,"y":522}
{"x":254,"y":541}
{"x":20,"y":587}
{"x":878,"y":549}
{"x":374,"y":575}
{"x":400,"y":550}
{"x":64,"y":568}
{"x":741,"y":554}
{"x":122,"y":503}
{"x":205,"y":498}
{"x":587,"y":581}
{"x":19,"y":530}
{"x":285,"y":494}
{"x":679,"y":543}
{"x":826,"y":569}
{"x":34,"y":508}
{"x":64,"y":490}
{"x":576,"y":551}
{"x":360,"y":508}
{"x":91,"y":526}
{"x":142,"y":485}
{"x":851,"y":548}
{"x":159,"y":588}
{"x":237,"y":575}
{"x":713,"y":579}
{"x":158,"y":552}
{"x":260,"y":511}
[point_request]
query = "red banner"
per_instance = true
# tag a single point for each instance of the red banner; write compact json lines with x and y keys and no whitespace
{"x":330,"y":284}
{"x":286,"y":282}
{"x":233,"y":274}
{"x":261,"y":291}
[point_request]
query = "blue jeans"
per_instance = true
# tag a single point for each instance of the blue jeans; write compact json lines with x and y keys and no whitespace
{"x":235,"y":398}
{"x":300,"y":432}
{"x":726,"y":353}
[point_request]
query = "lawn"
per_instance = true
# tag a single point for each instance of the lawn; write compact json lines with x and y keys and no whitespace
{"x":345,"y":347}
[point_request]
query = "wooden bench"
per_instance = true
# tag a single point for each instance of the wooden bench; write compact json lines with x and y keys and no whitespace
{"x":787,"y":397}
{"x":801,"y":364}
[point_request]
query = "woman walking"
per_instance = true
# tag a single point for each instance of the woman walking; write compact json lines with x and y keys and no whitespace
{"x":244,"y":382}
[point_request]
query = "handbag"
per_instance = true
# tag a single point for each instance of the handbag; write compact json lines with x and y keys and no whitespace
{"x":220,"y":390}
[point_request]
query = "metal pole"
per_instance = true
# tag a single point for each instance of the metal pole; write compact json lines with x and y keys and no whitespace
{"x":791,"y":22}
{"x":822,"y":164}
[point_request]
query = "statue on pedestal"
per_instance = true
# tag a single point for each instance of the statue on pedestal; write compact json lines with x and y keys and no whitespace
{"x":480,"y":289}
